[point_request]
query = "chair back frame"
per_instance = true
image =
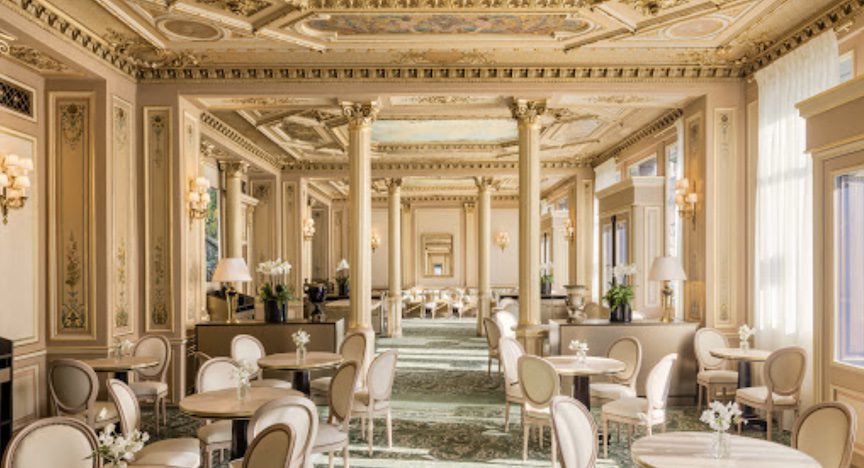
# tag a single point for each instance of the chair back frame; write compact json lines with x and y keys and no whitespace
{"x":295,"y":402}
{"x":844,"y":408}
{"x":205,"y":366}
{"x":237,"y":340}
{"x":657,"y":400}
{"x":117,"y":390}
{"x":510,"y":367}
{"x":528,"y":390}
{"x":557,"y":402}
{"x":493,"y":334}
{"x":160,"y":372}
{"x":62,"y":409}
{"x":703,"y":356}
{"x":341,"y":410}
{"x":621,"y":377}
{"x":773,"y":359}
{"x":387,"y":358}
{"x":41,"y":424}
{"x":248,"y":457}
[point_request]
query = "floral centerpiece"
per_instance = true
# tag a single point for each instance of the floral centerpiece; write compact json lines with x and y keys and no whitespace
{"x":581,"y":350}
{"x":720,"y":418}
{"x":620,"y":293}
{"x":546,"y":278}
{"x":744,"y":335}
{"x":274,"y":289}
{"x":118,"y":450}
{"x":342,"y":277}
{"x":245,"y":371}
{"x":121,"y":347}
{"x":301,"y":339}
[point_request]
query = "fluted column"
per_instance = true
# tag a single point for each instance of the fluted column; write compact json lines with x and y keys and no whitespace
{"x":234,"y":221}
{"x":394,"y":257}
{"x":528,"y":113}
{"x":360,"y":117}
{"x":485,"y":185}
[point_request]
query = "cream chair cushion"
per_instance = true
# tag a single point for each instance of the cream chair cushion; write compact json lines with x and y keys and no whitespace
{"x":717,"y":377}
{"x":329,"y":435}
{"x":760,"y":395}
{"x":272,"y":383}
{"x":533,"y":411}
{"x":215,"y":432}
{"x":611,"y":391}
{"x":361,"y":401}
{"x":70,"y":443}
{"x":176,"y":453}
{"x":149,"y":388}
{"x":633,"y":408}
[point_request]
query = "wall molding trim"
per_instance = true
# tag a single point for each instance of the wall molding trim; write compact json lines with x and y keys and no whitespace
{"x":661,"y":123}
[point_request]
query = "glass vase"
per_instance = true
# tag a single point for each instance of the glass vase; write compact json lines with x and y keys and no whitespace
{"x":744,"y":345}
{"x":721,"y":445}
{"x":581,"y":357}
{"x":301,"y":354}
{"x":243,"y":390}
{"x":120,"y":464}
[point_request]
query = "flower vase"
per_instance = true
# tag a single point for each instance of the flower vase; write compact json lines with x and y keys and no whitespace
{"x":721,"y":445}
{"x":120,"y":464}
{"x":301,"y":354}
{"x":243,"y":390}
{"x":744,"y":345}
{"x":581,"y":357}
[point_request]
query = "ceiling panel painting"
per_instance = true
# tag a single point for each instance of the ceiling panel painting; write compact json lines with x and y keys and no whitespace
{"x":509,"y":24}
{"x":417,"y":131}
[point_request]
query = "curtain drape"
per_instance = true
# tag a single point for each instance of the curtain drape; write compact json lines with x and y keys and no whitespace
{"x":783,"y":280}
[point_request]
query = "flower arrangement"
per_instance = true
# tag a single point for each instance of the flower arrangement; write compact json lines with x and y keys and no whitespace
{"x":620,"y":290}
{"x":117,"y":449}
{"x":245,"y":371}
{"x":121,"y":347}
{"x":342,"y":276}
{"x":274,"y":281}
{"x":546,"y":273}
{"x":720,"y":418}
{"x":744,"y":334}
{"x":580,"y":348}
{"x":301,"y":339}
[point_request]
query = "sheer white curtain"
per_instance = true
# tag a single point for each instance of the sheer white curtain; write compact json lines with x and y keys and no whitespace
{"x":784,"y":219}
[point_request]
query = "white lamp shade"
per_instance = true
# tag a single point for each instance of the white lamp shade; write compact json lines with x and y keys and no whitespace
{"x":229,"y":270}
{"x":667,"y":269}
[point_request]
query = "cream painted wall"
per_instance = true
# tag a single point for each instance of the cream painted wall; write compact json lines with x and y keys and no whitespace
{"x":505,"y":263}
{"x":439,"y":221}
{"x":380,"y":268}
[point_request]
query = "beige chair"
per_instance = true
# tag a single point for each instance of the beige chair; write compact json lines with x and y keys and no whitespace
{"x":493,"y":337}
{"x":782,"y":375}
{"x":510,"y":351}
{"x":649,"y":411}
{"x":73,"y":387}
{"x":623,"y":384}
{"x":247,"y":348}
{"x":215,"y":374}
{"x":375,"y":400}
{"x":176,"y":453}
{"x":713,"y":374}
{"x":353,"y":348}
{"x":540,"y":383}
{"x":53,"y":442}
{"x":333,"y":435}
{"x":826,"y":432}
{"x":271,"y":448}
{"x":507,"y":321}
{"x":575,"y":431}
{"x":296,"y":412}
{"x":151,"y":384}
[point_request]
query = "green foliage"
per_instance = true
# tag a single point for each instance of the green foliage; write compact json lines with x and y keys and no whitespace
{"x":547,"y":279}
{"x":618,"y":294}
{"x":279,"y":293}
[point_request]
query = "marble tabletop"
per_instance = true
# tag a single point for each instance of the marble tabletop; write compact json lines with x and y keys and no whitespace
{"x":593,"y":365}
{"x":738,"y":354}
{"x":123,"y":364}
{"x":289,"y":361}
{"x":224,"y":404}
{"x":689,"y":449}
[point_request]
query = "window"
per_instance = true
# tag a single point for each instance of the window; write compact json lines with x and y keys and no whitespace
{"x":847,"y":66}
{"x":645,"y":167}
{"x":849,"y":268}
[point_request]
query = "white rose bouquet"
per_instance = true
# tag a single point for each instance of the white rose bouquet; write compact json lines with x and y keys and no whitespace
{"x":744,"y":335}
{"x":122,"y":347}
{"x":720,"y":417}
{"x":301,"y":339}
{"x":118,"y":449}
{"x":244,"y":372}
{"x":580,"y":348}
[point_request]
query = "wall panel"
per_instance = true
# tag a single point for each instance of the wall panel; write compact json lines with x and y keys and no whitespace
{"x":158,"y":163}
{"x":123,"y":209}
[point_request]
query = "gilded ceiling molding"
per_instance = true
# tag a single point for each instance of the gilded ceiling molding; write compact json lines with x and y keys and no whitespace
{"x":445,"y":198}
{"x":37,"y":59}
{"x":661,"y":123}
{"x":145,"y":55}
{"x":230,"y":133}
{"x":444,"y":146}
{"x":360,"y":114}
{"x":5,"y":41}
{"x":651,"y":7}
{"x":527,"y":112}
{"x":307,"y":166}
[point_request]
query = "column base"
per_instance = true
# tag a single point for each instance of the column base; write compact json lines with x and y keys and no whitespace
{"x":532,"y":338}
{"x":394,"y":317}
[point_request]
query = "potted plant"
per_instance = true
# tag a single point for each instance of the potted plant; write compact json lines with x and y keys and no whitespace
{"x":546,"y":279}
{"x":620,"y":294}
{"x":342,"y":277}
{"x":274,"y":290}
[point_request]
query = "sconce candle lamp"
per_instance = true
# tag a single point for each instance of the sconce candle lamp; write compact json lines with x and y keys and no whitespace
{"x":376,"y":241}
{"x":308,"y":229}
{"x":502,"y":240}
{"x":199,"y":197}
{"x":686,"y":200}
{"x":14,"y":182}
{"x":569,"y":229}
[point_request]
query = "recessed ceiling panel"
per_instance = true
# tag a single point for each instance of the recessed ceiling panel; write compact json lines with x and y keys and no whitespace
{"x":511,"y":24}
{"x":418,"y":131}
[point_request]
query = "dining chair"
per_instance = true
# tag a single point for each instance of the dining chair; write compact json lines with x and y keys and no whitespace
{"x":53,"y":442}
{"x":215,"y":436}
{"x":353,"y":348}
{"x":73,"y":387}
{"x":628,"y":350}
{"x":507,"y":321}
{"x":493,"y":336}
{"x":649,"y":411}
{"x":713,"y":373}
{"x":176,"y":453}
{"x":150,"y":384}
{"x":782,"y":374}
{"x":375,"y":399}
{"x":247,"y":348}
{"x":826,"y":432}
{"x":510,"y":351}
{"x":540,"y":383}
{"x":297,"y":412}
{"x":271,"y":448}
{"x":333,"y":435}
{"x":575,"y":431}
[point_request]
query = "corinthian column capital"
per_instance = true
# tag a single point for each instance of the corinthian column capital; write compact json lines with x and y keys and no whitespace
{"x":234,"y":168}
{"x":360,"y":114}
{"x":486,"y":183}
{"x":527,"y":112}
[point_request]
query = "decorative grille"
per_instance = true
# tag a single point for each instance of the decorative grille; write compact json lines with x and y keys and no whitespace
{"x":15,"y":98}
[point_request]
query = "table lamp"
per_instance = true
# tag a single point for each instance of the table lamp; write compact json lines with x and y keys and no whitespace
{"x":231,"y":270}
{"x":667,"y":269}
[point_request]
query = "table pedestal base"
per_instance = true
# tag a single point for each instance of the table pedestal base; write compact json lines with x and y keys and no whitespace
{"x":238,"y":438}
{"x":582,"y":390}
{"x":747,"y":413}
{"x":301,"y":382}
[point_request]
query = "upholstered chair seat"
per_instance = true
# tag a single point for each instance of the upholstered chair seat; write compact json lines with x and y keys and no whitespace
{"x":759,"y":395}
{"x":633,"y":408}
{"x":149,"y":388}
{"x":611,"y":391}
{"x":717,"y":377}
{"x":70,"y":441}
{"x":217,"y":432}
{"x":826,"y":432}
{"x":353,"y":348}
{"x":782,"y":374}
{"x":273,"y":383}
{"x":330,"y":435}
{"x":333,"y":434}
{"x":714,"y":380}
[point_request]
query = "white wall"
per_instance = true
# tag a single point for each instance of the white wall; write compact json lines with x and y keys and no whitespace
{"x":380,"y":268}
{"x":439,"y":221}
{"x":505,"y":264}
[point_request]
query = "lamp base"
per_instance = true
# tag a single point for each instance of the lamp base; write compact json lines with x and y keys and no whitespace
{"x":668,"y":310}
{"x":231,"y":297}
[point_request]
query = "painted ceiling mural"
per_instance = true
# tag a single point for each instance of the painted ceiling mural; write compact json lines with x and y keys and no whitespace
{"x":513,"y":24}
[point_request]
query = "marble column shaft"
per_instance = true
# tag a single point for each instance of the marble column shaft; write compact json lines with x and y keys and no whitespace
{"x":484,"y":240}
{"x":394,"y":257}
{"x":234,"y":221}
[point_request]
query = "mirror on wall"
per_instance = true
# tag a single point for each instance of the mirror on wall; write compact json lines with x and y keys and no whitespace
{"x":437,"y":255}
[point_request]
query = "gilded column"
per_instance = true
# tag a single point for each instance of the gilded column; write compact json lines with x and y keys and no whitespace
{"x":528,"y":113}
{"x":485,"y":185}
{"x":394,"y":257}
{"x":234,"y":171}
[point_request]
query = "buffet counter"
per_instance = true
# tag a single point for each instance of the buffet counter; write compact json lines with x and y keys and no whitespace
{"x":214,"y":338}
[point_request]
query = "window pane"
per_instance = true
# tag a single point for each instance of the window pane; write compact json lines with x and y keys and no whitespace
{"x":849,"y":268}
{"x":646,"y":167}
{"x":847,"y":66}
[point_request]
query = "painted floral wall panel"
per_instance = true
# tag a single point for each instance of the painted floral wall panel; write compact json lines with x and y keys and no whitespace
{"x":157,"y":147}
{"x":72,"y":171}
{"x":195,"y":289}
{"x":123,"y":184}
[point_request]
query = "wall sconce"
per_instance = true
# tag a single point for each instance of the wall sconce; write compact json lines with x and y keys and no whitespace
{"x":686,"y":200}
{"x":502,"y":240}
{"x":308,"y":229}
{"x":14,"y":182}
{"x":569,"y":229}
{"x":376,"y":241}
{"x":199,"y":197}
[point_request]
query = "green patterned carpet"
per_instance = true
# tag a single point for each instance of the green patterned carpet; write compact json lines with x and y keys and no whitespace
{"x":448,"y":412}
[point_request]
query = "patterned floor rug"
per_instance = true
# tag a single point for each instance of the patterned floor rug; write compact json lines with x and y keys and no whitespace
{"x":448,"y":412}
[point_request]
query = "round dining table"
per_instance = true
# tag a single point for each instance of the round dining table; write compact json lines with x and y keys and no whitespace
{"x":314,"y":360}
{"x":121,"y":367}
{"x":224,"y":404}
{"x":571,"y":366}
{"x":745,"y":359}
{"x":689,"y":449}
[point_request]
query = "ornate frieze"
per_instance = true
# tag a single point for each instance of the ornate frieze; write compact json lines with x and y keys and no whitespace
{"x":145,"y":55}
{"x":227,"y":131}
{"x":307,"y":166}
{"x":42,"y":62}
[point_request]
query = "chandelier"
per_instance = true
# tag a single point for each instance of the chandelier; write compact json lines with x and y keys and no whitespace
{"x":14,"y":182}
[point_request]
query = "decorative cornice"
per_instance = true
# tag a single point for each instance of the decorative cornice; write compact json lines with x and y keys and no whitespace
{"x":447,"y":198}
{"x":227,"y":131}
{"x":661,"y":123}
{"x":306,"y":166}
{"x":650,"y":7}
{"x":440,"y":146}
